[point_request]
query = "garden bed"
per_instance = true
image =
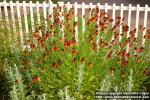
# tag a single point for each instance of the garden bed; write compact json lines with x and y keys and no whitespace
{"x":53,"y":65}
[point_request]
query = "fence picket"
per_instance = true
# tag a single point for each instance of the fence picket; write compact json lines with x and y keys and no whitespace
{"x":113,"y":17}
{"x":137,"y":20}
{"x":25,"y":17}
{"x":45,"y":15}
{"x":32,"y":17}
{"x":145,"y":25}
{"x":98,"y":36}
{"x":106,"y":7}
{"x":68,"y":7}
{"x":83,"y":17}
{"x":61,"y":4}
{"x":6,"y":15}
{"x":38,"y":12}
{"x":50,"y":12}
{"x":1,"y":18}
{"x":129,"y":22}
{"x":13,"y":23}
{"x":62,"y":19}
{"x":121,"y":15}
{"x":76,"y":20}
{"x":19,"y":21}
{"x":90,"y":14}
{"x":13,"y":17}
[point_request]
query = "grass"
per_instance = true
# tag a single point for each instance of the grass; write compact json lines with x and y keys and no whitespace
{"x":56,"y":68}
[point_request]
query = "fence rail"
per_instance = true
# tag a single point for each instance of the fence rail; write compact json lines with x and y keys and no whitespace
{"x":48,"y":10}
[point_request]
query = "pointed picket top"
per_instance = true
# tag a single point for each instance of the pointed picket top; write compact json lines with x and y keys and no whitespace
{"x":20,"y":24}
{"x":137,"y":20}
{"x":106,"y":7}
{"x":90,"y":14}
{"x":113,"y":17}
{"x":129,"y":25}
{"x":32,"y":16}
{"x":45,"y":15}
{"x":68,"y":7}
{"x":145,"y":24}
{"x":6,"y":15}
{"x":76,"y":21}
{"x":98,"y":36}
{"x":83,"y":17}
{"x":25,"y":16}
{"x":121,"y":15}
{"x":38,"y":12}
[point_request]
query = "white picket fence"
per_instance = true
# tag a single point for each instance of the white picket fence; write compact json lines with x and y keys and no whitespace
{"x":48,"y":10}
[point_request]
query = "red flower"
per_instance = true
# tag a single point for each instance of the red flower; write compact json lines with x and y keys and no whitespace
{"x":119,"y":53}
{"x":91,"y":40}
{"x":128,"y":40}
{"x":18,"y":81}
{"x":71,"y":43}
{"x":94,"y":47}
{"x":139,"y":60}
{"x":60,"y":40}
{"x":74,"y":52}
{"x":56,"y":48}
{"x":112,"y":71}
{"x":36,"y":79}
{"x":128,"y":55}
{"x":135,"y":55}
{"x":106,"y":19}
{"x":36,"y":34}
{"x":140,"y":50}
{"x":43,"y":45}
{"x":83,"y":59}
{"x":147,"y":36}
{"x":45,"y":56}
{"x":123,"y":74}
{"x":50,"y":16}
{"x":55,"y":65}
{"x":116,"y":35}
{"x":63,"y":51}
{"x":118,"y":18}
{"x":146,"y":72}
{"x":124,"y":62}
{"x":111,"y":20}
{"x":42,"y":70}
{"x":52,"y":26}
{"x":27,"y":62}
{"x":121,"y":45}
{"x":29,"y":86}
{"x":74,"y":60}
{"x":102,"y":24}
{"x":125,"y":28}
{"x":90,"y":65}
{"x":75,"y":24}
{"x":109,"y":56}
{"x":96,"y":33}
{"x":48,"y":35}
{"x":96,"y":26}
{"x":59,"y":62}
{"x":113,"y":42}
{"x":32,"y":46}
